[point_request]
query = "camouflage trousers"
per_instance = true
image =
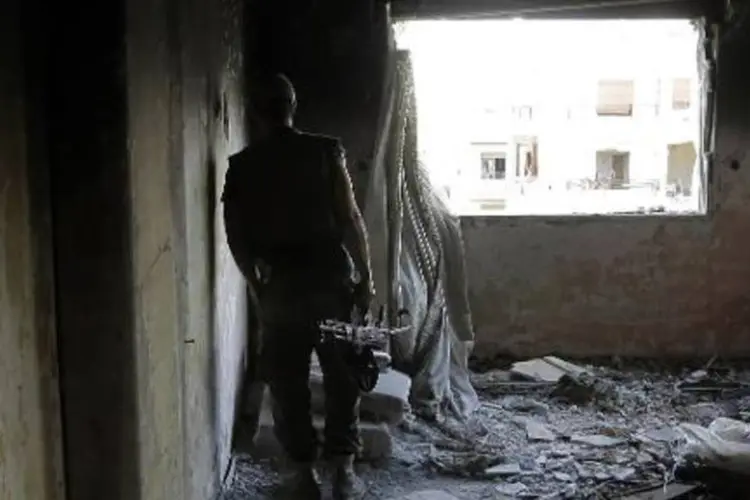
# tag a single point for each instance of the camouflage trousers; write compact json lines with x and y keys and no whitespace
{"x":290,"y":309}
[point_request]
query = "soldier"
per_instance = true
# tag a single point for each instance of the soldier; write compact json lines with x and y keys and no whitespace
{"x":297,"y":235}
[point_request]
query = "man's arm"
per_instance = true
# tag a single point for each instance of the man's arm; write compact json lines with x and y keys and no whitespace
{"x":234,"y":225}
{"x":349,"y":217}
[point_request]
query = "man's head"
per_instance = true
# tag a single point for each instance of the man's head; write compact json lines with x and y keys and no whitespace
{"x":273,"y":100}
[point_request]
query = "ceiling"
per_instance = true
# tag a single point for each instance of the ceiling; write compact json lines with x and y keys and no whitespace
{"x":596,"y":9}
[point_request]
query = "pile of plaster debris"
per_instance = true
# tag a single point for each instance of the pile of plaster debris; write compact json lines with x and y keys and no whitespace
{"x":550,"y":429}
{"x":545,"y":429}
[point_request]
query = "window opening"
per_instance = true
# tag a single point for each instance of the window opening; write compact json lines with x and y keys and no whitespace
{"x":681,"y":88}
{"x":576,"y":127}
{"x":612,"y":169}
{"x":615,"y":98}
{"x":493,"y":166}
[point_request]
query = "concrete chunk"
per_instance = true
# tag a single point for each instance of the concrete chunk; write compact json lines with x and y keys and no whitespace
{"x":548,"y":369}
{"x":663,"y":434}
{"x":511,"y":490}
{"x":670,"y":491}
{"x":387,"y":403}
{"x":427,"y":495}
{"x":503,"y":470}
{"x":536,"y":431}
{"x":377,"y":442}
{"x":597,"y":440}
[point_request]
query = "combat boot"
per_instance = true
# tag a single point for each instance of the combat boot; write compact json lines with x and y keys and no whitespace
{"x":301,"y":483}
{"x":346,"y":484}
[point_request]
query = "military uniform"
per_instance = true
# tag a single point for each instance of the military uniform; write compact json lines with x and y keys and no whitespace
{"x":282,"y":229}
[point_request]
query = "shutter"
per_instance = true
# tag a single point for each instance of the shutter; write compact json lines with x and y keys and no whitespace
{"x":615,"y":98}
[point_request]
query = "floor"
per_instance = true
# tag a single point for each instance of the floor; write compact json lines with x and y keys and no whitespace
{"x":614,"y":433}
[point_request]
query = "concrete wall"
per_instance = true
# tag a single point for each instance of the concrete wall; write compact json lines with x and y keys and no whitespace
{"x":151,"y":307}
{"x":30,"y":435}
{"x":185,"y":119}
{"x":640,"y":286}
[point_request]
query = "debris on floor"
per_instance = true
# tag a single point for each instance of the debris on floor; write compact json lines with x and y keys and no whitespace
{"x":725,"y":444}
{"x":672,"y":491}
{"x":377,"y":442}
{"x":604,"y":431}
{"x":388,"y":402}
{"x":549,"y":429}
{"x":428,"y":495}
{"x":547,"y":369}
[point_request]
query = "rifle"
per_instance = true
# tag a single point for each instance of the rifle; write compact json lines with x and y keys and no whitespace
{"x":369,"y":342}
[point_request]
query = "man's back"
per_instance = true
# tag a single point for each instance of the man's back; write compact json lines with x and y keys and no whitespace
{"x":282,"y":189}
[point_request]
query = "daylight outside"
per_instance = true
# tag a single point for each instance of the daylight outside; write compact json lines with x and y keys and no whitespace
{"x":521,"y":117}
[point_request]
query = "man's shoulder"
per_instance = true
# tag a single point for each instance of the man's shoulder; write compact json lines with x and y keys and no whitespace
{"x":320,"y":139}
{"x":241,"y":156}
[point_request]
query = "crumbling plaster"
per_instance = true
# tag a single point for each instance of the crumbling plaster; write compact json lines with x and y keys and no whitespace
{"x":626,"y":285}
{"x":151,"y":306}
{"x":185,"y":119}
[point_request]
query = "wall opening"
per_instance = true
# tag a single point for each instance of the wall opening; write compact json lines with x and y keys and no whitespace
{"x":560,"y":117}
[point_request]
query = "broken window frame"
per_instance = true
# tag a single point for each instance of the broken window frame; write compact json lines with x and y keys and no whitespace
{"x":707,"y":54}
{"x":493,"y":156}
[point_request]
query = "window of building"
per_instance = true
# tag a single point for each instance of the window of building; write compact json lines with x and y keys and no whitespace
{"x":612,"y":169}
{"x":526,"y":160}
{"x":523,"y":112}
{"x":681,"y":93}
{"x":493,"y":165}
{"x":615,"y":98}
{"x":680,"y":168}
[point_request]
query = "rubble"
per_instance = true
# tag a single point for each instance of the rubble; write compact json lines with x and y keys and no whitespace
{"x":622,"y":436}
{"x":664,"y":434}
{"x":427,"y":495}
{"x":547,"y":369}
{"x":377,"y":442}
{"x":488,"y":380}
{"x":503,"y":470}
{"x":534,"y":438}
{"x":388,"y":402}
{"x":665,"y":492}
{"x":511,"y":490}
{"x":536,"y":431}
{"x":597,"y":440}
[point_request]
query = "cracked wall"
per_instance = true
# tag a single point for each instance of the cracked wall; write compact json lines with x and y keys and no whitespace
{"x":184,"y":121}
{"x":151,"y":306}
{"x":630,"y":285}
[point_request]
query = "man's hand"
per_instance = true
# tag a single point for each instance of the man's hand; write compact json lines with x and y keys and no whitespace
{"x":364,"y":291}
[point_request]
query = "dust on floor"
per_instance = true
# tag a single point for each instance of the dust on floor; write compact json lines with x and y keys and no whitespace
{"x":540,"y":440}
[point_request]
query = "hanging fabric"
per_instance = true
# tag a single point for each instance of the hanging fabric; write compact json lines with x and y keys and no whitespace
{"x":418,"y":259}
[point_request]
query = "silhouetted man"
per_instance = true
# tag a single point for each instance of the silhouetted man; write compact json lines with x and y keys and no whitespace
{"x":297,"y":235}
